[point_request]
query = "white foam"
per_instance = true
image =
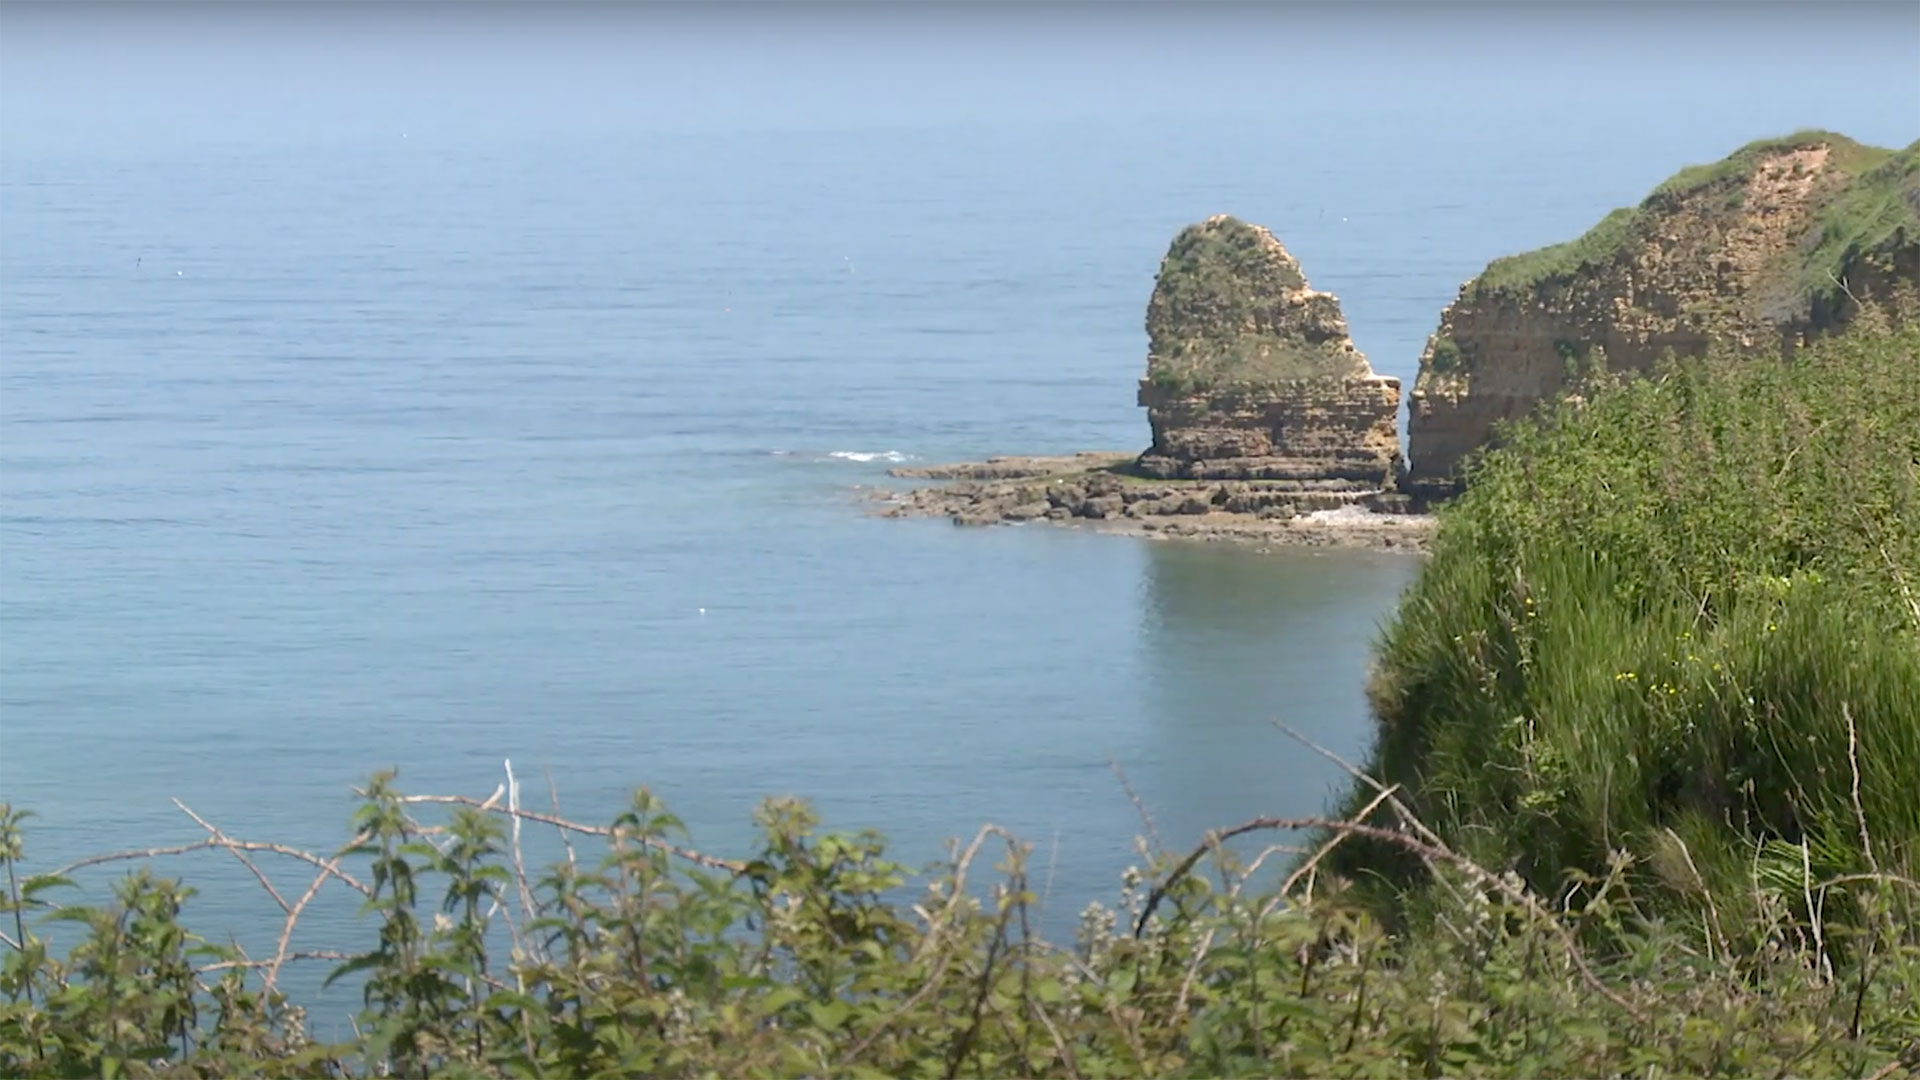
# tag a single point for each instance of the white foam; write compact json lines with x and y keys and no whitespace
{"x":864,"y":456}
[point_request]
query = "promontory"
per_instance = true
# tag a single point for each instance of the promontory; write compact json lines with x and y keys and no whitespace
{"x":1781,"y":241}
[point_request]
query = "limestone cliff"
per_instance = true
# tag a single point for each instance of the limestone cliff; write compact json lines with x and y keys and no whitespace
{"x":1251,"y":374}
{"x":1762,"y":250}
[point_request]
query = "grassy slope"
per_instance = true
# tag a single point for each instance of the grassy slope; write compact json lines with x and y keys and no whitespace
{"x":1880,"y":199}
{"x":1679,"y":614}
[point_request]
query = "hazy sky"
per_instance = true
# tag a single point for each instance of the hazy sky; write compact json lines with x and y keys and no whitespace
{"x":88,"y":75}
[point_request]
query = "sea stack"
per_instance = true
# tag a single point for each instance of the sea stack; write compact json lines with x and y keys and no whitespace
{"x":1252,"y":375}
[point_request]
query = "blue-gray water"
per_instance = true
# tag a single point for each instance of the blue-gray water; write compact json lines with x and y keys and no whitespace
{"x":360,"y":441}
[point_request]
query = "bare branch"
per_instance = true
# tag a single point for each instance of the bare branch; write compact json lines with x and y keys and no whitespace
{"x":273,"y":964}
{"x":1853,"y":763}
{"x":712,"y":862}
{"x":1433,"y":849}
{"x":237,"y":853}
{"x":1146,"y":818}
{"x":209,"y":844}
{"x":1307,"y":867}
{"x":527,"y":906}
{"x":280,"y":954}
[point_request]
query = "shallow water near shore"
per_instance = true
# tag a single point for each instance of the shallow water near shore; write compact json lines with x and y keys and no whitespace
{"x":434,"y":449}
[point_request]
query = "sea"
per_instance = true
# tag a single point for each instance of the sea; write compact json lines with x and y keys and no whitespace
{"x":458,"y":434}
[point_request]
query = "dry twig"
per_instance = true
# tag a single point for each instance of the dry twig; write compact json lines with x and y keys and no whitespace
{"x":712,"y":862}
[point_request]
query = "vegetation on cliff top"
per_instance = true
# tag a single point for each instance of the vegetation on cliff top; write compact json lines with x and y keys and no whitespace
{"x":1868,"y":202}
{"x":1231,"y":309}
{"x":1677,"y":620}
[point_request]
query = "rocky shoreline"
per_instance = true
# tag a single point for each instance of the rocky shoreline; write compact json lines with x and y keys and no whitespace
{"x":1104,"y":491}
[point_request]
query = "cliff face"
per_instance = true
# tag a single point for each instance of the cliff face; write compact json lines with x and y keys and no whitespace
{"x":1762,"y":250}
{"x":1251,"y":374}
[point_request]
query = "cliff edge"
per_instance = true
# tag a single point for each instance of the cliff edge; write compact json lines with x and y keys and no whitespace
{"x":1251,"y":373}
{"x":1765,"y":249}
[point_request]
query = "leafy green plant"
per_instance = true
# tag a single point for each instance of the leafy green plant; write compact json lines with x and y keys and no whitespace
{"x":637,"y":955}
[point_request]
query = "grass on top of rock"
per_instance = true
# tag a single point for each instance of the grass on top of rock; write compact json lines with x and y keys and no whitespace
{"x":1845,"y":155}
{"x":1866,"y":220}
{"x":1678,"y":618}
{"x":1226,"y":314}
{"x":1873,"y":201}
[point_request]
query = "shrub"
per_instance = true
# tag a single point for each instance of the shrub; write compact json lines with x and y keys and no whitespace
{"x":638,"y":956}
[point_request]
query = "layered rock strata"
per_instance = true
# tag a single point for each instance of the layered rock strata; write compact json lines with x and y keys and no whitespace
{"x":1252,"y":375}
{"x":1102,"y":491}
{"x":1781,"y":241}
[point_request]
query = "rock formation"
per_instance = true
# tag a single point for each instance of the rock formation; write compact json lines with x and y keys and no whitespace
{"x":1776,"y":243}
{"x":1268,"y":425}
{"x":1251,"y":374}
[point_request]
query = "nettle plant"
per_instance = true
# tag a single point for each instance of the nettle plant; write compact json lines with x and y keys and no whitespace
{"x":816,"y":955}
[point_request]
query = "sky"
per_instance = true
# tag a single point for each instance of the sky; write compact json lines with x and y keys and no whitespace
{"x":84,"y":74}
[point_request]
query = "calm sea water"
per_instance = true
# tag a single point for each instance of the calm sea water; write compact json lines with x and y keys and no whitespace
{"x":432,"y":452}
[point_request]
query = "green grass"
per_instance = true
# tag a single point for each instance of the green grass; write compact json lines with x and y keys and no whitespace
{"x":1215,"y":322}
{"x":1877,"y":213}
{"x":1874,"y":202}
{"x":1684,"y":610}
{"x":1516,"y":273}
{"x":1847,"y":155}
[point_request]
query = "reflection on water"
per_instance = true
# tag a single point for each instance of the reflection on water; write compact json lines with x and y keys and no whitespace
{"x":1231,"y":641}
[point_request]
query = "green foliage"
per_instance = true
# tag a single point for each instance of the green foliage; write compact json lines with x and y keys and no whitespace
{"x":1676,"y":618}
{"x":1515,"y":273}
{"x":1867,"y":221}
{"x":1447,"y":359}
{"x":1871,"y":206}
{"x":1226,"y":315}
{"x":1849,"y":156}
{"x":641,"y":958}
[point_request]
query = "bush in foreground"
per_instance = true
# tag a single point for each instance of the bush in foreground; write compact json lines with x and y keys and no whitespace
{"x":637,"y":956}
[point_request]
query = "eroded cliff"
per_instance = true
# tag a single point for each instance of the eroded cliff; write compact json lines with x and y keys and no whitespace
{"x":1251,"y":373}
{"x":1781,"y":241}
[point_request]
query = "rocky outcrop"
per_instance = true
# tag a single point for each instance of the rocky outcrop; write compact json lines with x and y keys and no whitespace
{"x":1102,"y":491}
{"x":1779,"y":242}
{"x":1251,"y":374}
